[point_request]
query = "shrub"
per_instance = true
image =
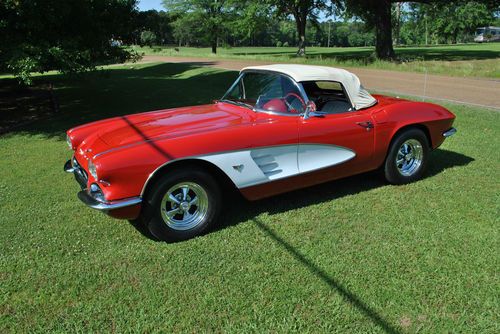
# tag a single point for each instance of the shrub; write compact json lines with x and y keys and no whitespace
{"x":67,"y":36}
{"x":279,"y":44}
{"x":148,"y":38}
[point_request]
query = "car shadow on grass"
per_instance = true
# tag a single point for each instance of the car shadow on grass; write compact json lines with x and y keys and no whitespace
{"x":441,"y":160}
{"x":244,"y":211}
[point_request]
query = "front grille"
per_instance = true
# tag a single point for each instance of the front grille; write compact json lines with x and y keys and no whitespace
{"x":80,"y":174}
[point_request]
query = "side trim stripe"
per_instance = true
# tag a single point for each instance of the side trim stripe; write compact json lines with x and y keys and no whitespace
{"x":265,"y":164}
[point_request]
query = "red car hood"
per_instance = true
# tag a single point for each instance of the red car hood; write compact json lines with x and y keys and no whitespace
{"x":170,"y":123}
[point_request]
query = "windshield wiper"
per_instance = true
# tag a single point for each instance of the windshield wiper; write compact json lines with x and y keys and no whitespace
{"x":238,"y":103}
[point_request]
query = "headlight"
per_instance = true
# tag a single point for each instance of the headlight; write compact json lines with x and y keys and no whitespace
{"x":96,"y":192}
{"x":92,"y":169}
{"x":68,"y":140}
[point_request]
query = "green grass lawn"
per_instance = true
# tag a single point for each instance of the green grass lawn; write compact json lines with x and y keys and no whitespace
{"x":476,"y":60}
{"x":355,"y":255}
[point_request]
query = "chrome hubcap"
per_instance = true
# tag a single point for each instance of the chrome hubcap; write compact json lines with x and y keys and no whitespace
{"x":409,"y":157}
{"x":184,"y":206}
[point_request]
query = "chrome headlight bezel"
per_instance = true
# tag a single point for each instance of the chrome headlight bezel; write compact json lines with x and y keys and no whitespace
{"x":92,"y":169}
{"x":96,"y":192}
{"x":68,"y":141}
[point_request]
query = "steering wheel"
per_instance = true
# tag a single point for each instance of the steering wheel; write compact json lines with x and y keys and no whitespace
{"x":295,"y":95}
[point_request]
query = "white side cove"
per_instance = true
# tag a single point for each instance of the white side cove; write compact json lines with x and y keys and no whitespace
{"x":312,"y":157}
{"x":261,"y":165}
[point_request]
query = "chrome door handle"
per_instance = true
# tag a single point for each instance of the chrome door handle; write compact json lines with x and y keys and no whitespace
{"x":367,"y":125}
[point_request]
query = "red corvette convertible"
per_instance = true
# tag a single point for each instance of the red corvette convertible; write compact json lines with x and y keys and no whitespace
{"x":278,"y":128}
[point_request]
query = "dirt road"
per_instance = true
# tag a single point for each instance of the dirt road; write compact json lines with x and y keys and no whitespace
{"x":479,"y":92}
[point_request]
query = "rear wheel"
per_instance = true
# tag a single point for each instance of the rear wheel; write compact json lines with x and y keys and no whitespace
{"x":183,"y":204}
{"x":407,"y":157}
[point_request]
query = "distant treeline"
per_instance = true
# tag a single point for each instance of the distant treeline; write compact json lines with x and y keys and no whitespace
{"x":276,"y":33}
{"x":413,"y":24}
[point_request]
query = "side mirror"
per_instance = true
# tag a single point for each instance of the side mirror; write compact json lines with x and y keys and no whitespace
{"x":311,"y":111}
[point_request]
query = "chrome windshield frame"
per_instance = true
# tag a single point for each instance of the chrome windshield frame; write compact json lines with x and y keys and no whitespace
{"x":232,"y":86}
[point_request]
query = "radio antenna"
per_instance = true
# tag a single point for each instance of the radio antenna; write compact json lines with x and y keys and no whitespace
{"x":425,"y":80}
{"x":425,"y":84}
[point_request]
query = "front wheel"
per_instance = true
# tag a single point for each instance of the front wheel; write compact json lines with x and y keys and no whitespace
{"x":407,"y":157}
{"x":183,"y":204}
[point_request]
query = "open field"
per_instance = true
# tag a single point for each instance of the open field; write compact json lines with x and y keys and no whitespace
{"x":355,"y":255}
{"x":471,"y":60}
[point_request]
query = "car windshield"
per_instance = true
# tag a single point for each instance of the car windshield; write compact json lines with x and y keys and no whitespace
{"x":480,"y":31}
{"x":266,"y":92}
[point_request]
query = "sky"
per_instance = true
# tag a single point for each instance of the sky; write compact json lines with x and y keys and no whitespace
{"x":150,"y":4}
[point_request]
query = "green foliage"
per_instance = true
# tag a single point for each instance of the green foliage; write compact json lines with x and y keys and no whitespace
{"x":264,"y":23}
{"x":158,"y":22}
{"x":187,"y":30}
{"x":148,"y":38}
{"x":249,"y":22}
{"x":345,"y":34}
{"x":69,"y":36}
{"x":445,"y":22}
{"x":302,"y":11}
{"x":210,"y":17}
{"x":22,"y":67}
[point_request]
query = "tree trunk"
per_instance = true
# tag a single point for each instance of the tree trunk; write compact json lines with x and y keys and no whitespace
{"x":397,"y":25}
{"x":214,"y":45}
{"x":383,"y":27}
{"x":301,"y":31}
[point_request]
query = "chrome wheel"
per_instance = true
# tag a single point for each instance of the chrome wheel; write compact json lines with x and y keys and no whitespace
{"x":409,"y":157}
{"x":184,"y":206}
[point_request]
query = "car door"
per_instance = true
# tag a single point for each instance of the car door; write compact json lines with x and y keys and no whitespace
{"x":343,"y":140}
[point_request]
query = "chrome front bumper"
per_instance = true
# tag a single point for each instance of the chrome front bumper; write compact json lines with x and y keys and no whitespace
{"x":72,"y":166}
{"x":90,"y":201}
{"x":449,"y":133}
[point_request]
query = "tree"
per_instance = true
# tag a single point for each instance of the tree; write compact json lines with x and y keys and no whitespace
{"x":445,"y":22}
{"x":377,"y":13}
{"x":148,"y":38}
{"x":69,"y":36}
{"x":455,"y":21}
{"x":210,"y":13}
{"x":302,"y":11}
{"x":157,"y":22}
{"x":250,"y":19}
{"x":186,"y":29}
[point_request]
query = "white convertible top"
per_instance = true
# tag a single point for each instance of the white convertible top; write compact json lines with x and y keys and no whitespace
{"x":359,"y":97}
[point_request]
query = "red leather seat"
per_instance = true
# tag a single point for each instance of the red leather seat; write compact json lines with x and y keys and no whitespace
{"x":276,"y":105}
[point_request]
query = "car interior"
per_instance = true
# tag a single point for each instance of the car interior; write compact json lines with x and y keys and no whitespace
{"x":329,"y":96}
{"x":281,"y":95}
